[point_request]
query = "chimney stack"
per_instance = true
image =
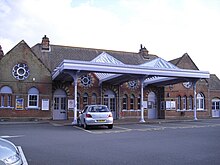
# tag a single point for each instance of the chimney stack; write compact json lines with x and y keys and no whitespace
{"x":1,"y":52}
{"x":144,"y":52}
{"x":45,"y":43}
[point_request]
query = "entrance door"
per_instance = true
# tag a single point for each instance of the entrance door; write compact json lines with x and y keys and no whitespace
{"x":60,"y":105}
{"x":109,"y":100}
{"x":152,"y":110}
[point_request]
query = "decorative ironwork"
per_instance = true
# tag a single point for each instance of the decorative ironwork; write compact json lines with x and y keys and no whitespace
{"x":86,"y":80}
{"x":133,"y":84}
{"x":21,"y":71}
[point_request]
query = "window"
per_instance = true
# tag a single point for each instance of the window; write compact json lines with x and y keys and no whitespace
{"x":200,"y":101}
{"x":94,"y":98}
{"x":63,"y":103}
{"x":9,"y":101}
{"x":2,"y":100}
{"x":125,"y":102}
{"x":85,"y":99}
{"x":216,"y":104}
{"x":6,"y":96}
{"x":33,"y":97}
{"x":56,"y":103}
{"x":139,"y":102}
{"x":190,"y":102}
{"x":179,"y":102}
{"x":132,"y":102}
{"x":184,"y":103}
{"x":20,"y":71}
{"x":78,"y":101}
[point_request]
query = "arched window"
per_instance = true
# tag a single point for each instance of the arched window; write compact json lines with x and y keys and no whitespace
{"x":6,"y":96}
{"x":33,"y":97}
{"x":94,"y":98}
{"x":85,"y":99}
{"x":139,"y":102}
{"x":190,"y":102}
{"x":179,"y":103}
{"x":125,"y":102}
{"x":200,"y":101}
{"x":78,"y":101}
{"x":132,"y":101}
{"x":184,"y":102}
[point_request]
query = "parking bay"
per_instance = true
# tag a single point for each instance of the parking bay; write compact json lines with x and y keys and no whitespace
{"x":120,"y":128}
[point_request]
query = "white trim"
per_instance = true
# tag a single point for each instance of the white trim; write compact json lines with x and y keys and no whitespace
{"x":127,"y":69}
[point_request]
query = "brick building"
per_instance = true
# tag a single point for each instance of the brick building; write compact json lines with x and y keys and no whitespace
{"x":32,"y":84}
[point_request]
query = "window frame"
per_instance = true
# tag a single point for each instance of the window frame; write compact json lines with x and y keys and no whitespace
{"x":85,"y":96}
{"x":6,"y":97}
{"x":132,"y":102}
{"x":33,"y":97}
{"x":178,"y":102}
{"x":200,"y":102}
{"x":184,"y":102}
{"x":125,"y":102}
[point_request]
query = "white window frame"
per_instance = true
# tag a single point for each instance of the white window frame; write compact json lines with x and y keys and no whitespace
{"x":190,"y":103}
{"x":125,"y":102}
{"x":200,"y":102}
{"x":33,"y":92}
{"x":184,"y":102}
{"x":214,"y":104}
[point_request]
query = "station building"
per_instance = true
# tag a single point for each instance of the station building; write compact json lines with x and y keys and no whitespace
{"x":54,"y":82}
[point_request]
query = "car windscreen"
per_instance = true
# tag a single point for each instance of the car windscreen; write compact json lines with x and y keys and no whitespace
{"x":98,"y":109}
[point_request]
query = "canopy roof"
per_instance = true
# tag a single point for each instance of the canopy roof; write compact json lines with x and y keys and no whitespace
{"x":109,"y":69}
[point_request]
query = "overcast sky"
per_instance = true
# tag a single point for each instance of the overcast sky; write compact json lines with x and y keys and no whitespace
{"x":167,"y":28}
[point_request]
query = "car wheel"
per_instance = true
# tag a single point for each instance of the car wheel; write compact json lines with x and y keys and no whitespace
{"x":110,"y":126}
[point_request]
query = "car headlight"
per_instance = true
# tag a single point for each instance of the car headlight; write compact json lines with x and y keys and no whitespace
{"x":11,"y":159}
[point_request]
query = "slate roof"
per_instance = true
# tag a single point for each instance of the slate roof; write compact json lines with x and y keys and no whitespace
{"x":177,"y":62}
{"x":214,"y":82}
{"x":58,"y":53}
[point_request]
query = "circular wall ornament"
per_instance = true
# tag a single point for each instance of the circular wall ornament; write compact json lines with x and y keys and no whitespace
{"x":187,"y":84}
{"x":86,"y":80}
{"x":133,"y":84}
{"x":20,"y":71}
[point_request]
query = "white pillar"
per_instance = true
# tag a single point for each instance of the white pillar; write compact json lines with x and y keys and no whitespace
{"x":75,"y":77}
{"x":195,"y":98}
{"x":142,"y":100}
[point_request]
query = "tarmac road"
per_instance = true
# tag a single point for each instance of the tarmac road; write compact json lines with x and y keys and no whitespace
{"x":168,"y":143}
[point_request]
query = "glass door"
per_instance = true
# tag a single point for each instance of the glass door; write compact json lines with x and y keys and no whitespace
{"x":109,"y":100}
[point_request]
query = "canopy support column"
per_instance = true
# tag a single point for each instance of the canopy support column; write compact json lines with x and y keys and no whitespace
{"x":194,"y":107}
{"x":75,"y":76}
{"x":75,"y":98}
{"x":142,"y":100}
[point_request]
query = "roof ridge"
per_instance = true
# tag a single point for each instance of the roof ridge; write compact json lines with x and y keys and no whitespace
{"x":99,"y":49}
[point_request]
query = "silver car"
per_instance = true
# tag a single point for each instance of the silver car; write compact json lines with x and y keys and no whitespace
{"x":9,"y":154}
{"x":95,"y":115}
